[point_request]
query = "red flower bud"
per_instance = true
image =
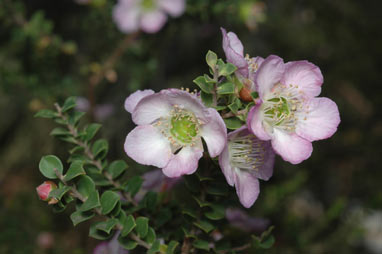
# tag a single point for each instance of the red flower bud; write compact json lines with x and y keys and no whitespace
{"x":245,"y":94}
{"x":44,"y":189}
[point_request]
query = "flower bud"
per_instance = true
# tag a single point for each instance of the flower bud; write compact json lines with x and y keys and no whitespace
{"x":245,"y":94}
{"x":44,"y":189}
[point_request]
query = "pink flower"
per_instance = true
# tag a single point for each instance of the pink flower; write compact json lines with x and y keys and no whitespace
{"x":289,"y":113}
{"x":148,"y":15}
{"x":234,"y":51}
{"x":244,"y":160}
{"x":171,"y":124}
{"x":43,"y":191}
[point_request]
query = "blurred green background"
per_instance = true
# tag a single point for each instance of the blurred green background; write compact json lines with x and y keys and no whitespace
{"x":49,"y":50}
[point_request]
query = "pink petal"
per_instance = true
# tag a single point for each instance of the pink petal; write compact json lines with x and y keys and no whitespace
{"x":185,"y":162}
{"x":186,"y":101}
{"x":266,"y":170}
{"x":291,"y":147}
{"x":151,"y":108}
{"x":225,"y":165}
{"x":126,"y":16}
{"x":247,"y":188}
{"x":153,"y":21}
{"x":321,"y":121}
{"x":173,"y":7}
{"x":146,"y":145}
{"x":234,"y":51}
{"x":214,"y":133}
{"x":255,"y":123}
{"x":269,"y":73}
{"x":258,"y":60}
{"x":306,"y":75}
{"x":43,"y":191}
{"x":132,"y":101}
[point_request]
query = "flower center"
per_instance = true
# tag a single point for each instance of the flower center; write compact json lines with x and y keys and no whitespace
{"x":181,"y":128}
{"x":246,"y":152}
{"x":148,"y":4}
{"x":284,"y":107}
{"x":184,"y":127}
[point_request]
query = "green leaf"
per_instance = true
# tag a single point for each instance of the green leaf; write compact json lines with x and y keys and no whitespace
{"x":190,"y":212}
{"x":142,"y":226}
{"x":171,"y":247}
{"x":85,"y":185}
{"x":75,"y":116}
{"x":127,"y":243}
{"x":203,"y":85}
{"x":227,"y":69}
{"x":128,"y":225}
{"x":209,"y":80}
{"x":150,"y":200}
{"x":151,"y":236}
{"x":134,"y":184}
{"x":154,"y":248}
{"x":91,"y":202}
{"x":116,"y":168}
{"x":100,"y":148}
{"x":226,"y":88}
{"x":202,"y":203}
{"x":211,"y":59}
{"x":107,"y":226}
{"x":75,"y":169}
{"x":235,"y":105}
{"x":201,"y":244}
{"x":78,"y":217}
{"x":91,"y":130}
{"x":59,"y":192}
{"x":217,"y":189}
{"x":109,"y":200}
{"x":69,"y":104}
{"x":96,"y":233}
{"x":217,"y":213}
{"x":207,"y":99}
{"x":163,"y":216}
{"x":266,"y":240}
{"x":233,"y":123}
{"x":204,"y":225}
{"x":46,"y":113}
{"x":59,"y":132}
{"x":49,"y":165}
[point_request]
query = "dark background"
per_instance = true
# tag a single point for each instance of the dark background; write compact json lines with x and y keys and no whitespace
{"x":50,"y":50}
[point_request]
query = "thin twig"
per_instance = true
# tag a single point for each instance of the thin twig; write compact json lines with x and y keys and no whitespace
{"x":97,"y":77}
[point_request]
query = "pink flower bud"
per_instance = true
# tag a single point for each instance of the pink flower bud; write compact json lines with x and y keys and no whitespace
{"x":44,"y":189}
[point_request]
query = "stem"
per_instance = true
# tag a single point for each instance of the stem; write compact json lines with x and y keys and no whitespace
{"x":91,"y":156}
{"x":231,"y":114}
{"x":215,"y":91}
{"x":97,"y":77}
{"x":139,"y":241}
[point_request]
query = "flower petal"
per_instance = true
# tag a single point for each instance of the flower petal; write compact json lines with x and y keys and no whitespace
{"x":291,"y":147}
{"x":234,"y":51}
{"x":173,"y":7}
{"x":184,"y":162}
{"x":269,"y":73}
{"x":321,"y":121}
{"x":256,"y":61}
{"x":306,"y":75}
{"x":151,"y":108}
{"x":153,"y":21}
{"x":266,"y":170}
{"x":247,"y":188}
{"x":214,"y":133}
{"x":146,"y":145}
{"x":225,"y":165}
{"x":126,"y":16}
{"x":255,"y":123}
{"x":187,"y":101}
{"x":133,"y":99}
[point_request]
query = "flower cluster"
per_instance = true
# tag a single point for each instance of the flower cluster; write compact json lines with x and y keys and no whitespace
{"x":284,"y":119}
